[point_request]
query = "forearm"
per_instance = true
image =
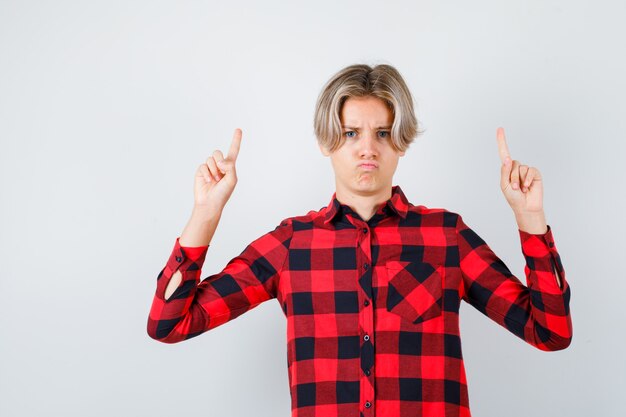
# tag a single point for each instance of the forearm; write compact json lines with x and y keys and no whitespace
{"x":534,"y":223}
{"x":200,"y":228}
{"x":198,"y":232}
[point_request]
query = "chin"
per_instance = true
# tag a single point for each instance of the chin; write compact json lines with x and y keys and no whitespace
{"x":368,"y":186}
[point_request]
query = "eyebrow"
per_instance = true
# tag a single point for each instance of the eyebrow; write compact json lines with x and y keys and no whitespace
{"x":356,"y":128}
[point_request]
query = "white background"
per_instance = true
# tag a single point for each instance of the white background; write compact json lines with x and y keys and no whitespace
{"x":108,"y":107}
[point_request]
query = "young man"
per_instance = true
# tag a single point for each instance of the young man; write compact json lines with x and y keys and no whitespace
{"x":371,"y":285}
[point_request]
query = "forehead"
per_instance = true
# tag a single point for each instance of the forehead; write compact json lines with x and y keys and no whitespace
{"x":368,"y":109}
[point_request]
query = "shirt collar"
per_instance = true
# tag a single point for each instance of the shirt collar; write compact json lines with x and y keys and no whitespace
{"x":398,"y":203}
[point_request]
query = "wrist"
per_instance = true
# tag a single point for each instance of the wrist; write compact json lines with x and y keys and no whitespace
{"x":199,"y":229}
{"x":532,"y":222}
{"x":205,"y":213}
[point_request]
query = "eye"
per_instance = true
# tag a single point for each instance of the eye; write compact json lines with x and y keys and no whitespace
{"x":384,"y":133}
{"x":347,"y":134}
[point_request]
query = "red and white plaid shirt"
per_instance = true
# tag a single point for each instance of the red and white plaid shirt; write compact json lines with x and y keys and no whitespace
{"x":372,"y":307}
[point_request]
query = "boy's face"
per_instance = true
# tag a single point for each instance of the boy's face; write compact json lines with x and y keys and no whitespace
{"x":366,"y":138}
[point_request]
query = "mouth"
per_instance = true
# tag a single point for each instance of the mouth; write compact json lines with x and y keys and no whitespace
{"x":368,"y":166}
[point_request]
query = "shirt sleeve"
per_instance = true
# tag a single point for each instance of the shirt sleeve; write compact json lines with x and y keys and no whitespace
{"x":539,"y":312}
{"x":197,"y":306}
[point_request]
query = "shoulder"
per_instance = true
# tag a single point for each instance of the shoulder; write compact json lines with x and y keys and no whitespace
{"x":290,"y":221}
{"x":310,"y":217}
{"x":433,"y":215}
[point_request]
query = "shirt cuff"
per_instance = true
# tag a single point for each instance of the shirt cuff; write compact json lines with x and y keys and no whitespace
{"x":544,"y":260}
{"x":537,"y":244}
{"x":186,"y":256}
{"x":194,"y":252}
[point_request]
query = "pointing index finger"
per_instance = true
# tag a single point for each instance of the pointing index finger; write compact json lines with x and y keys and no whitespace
{"x":234,"y":146}
{"x":503,"y":149}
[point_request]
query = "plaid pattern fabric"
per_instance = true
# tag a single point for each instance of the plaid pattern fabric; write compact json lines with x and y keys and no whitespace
{"x":372,"y":307}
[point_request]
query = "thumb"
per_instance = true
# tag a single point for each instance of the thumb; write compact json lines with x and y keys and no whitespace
{"x":225,"y":165}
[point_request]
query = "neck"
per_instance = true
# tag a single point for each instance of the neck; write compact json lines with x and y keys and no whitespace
{"x":364,"y":203}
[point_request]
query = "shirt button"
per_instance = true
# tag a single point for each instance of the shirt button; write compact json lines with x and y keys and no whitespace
{"x":366,"y":337}
{"x":366,"y":302}
{"x":366,"y":266}
{"x":365,"y":230}
{"x":367,"y":372}
{"x":551,"y":244}
{"x":368,"y":404}
{"x":178,"y":259}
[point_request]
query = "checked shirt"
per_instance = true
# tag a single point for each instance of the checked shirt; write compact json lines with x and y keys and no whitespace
{"x":372,"y":307}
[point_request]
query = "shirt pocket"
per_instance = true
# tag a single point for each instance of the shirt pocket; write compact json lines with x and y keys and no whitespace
{"x":414,"y":290}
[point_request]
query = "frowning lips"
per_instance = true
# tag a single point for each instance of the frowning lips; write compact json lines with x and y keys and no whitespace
{"x":368,"y":165}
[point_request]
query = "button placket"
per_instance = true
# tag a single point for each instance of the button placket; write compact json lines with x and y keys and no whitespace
{"x":367,"y":314}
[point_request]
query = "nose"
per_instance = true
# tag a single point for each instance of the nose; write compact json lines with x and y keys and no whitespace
{"x":368,"y":144}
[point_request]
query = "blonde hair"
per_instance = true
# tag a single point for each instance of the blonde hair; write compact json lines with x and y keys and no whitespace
{"x":359,"y":80}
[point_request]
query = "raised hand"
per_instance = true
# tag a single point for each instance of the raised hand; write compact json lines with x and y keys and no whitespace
{"x":216,"y":178}
{"x":521,"y":184}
